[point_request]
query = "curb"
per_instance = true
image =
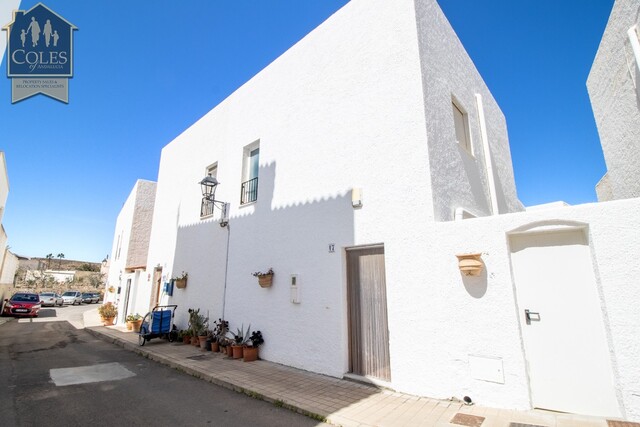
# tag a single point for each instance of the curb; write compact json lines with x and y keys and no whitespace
{"x":203,"y":375}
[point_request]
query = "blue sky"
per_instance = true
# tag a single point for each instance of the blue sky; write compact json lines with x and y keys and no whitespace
{"x":144,"y":71}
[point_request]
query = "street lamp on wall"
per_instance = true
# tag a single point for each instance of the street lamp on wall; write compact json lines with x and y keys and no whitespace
{"x":208,"y":185}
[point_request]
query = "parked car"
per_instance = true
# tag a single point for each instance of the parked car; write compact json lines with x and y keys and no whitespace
{"x":98,"y":296}
{"x":22,"y":304}
{"x":72,"y":297}
{"x":89,"y":297}
{"x":50,"y":299}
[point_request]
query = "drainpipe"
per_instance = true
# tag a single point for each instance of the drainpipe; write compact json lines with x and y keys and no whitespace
{"x":635,"y":44}
{"x":226,"y":269}
{"x":487,"y":156}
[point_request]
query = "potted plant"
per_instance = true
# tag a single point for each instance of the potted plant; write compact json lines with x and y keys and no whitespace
{"x":181,"y":281}
{"x":212,"y":342}
{"x":185,"y":334}
{"x":265,"y":279}
{"x":240,"y":338}
{"x":250,"y":351}
{"x":198,"y":327}
{"x":220,"y":332}
{"x":136,"y":323}
{"x":108,"y":313}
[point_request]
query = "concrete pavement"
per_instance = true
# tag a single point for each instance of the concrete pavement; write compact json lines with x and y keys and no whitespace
{"x":336,"y":401}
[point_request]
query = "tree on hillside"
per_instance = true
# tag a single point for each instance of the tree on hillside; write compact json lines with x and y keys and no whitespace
{"x":49,"y":258}
{"x":60,"y":257}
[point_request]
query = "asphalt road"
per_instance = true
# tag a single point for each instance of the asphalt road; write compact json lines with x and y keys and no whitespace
{"x":38,"y":357}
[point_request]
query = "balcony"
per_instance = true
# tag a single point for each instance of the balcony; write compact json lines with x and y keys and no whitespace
{"x":249,"y":191}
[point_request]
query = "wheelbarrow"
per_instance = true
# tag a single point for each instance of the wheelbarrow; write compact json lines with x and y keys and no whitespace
{"x":158,"y":323}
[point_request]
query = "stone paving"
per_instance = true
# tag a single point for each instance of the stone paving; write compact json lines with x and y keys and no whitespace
{"x":336,"y":401}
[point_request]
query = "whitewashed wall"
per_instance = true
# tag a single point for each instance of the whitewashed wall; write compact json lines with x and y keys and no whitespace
{"x":9,"y":268}
{"x":458,"y":178}
{"x":133,"y":227}
{"x":329,"y":115}
{"x":614,"y":91}
{"x":452,"y":317}
{"x":345,"y":108}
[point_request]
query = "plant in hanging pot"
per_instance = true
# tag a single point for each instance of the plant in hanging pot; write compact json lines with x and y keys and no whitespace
{"x":250,"y":351}
{"x":181,"y":280}
{"x":265,"y":279}
{"x":108,"y":313}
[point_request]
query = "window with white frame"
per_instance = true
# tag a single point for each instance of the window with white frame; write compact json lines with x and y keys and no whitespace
{"x":250,"y":170}
{"x":206,"y":207}
{"x":461,"y":122}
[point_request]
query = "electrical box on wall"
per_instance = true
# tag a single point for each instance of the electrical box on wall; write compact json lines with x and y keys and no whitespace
{"x":295,"y":289}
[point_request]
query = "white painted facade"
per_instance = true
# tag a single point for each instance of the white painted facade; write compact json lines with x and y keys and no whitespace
{"x":364,"y":106}
{"x":127,"y":264}
{"x":9,"y":268}
{"x":614,"y":90}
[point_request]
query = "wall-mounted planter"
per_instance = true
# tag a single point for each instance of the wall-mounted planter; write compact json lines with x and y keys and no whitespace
{"x":265,"y":280}
{"x":470,"y":264}
{"x":181,"y":283}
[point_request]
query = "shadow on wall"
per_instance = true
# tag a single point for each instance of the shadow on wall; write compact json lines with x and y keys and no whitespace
{"x":292,"y":240}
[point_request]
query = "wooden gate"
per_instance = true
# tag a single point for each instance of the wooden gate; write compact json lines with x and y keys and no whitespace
{"x":367,"y":301}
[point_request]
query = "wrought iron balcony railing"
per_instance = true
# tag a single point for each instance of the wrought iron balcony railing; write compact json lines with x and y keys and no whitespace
{"x":249,"y":191}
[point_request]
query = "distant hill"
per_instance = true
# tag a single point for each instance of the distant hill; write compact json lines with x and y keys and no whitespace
{"x":58,"y":264}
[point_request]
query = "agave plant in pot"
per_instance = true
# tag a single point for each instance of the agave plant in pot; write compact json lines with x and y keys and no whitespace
{"x":240,"y":338}
{"x":250,"y":351}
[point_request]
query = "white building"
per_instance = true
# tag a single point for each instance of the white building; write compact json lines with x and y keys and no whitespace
{"x":614,"y":90}
{"x":128,"y":261}
{"x":345,"y":163}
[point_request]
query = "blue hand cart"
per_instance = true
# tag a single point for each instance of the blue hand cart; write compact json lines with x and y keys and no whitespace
{"x":158,"y":323}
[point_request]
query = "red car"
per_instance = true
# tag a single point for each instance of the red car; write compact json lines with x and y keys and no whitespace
{"x":22,"y":304}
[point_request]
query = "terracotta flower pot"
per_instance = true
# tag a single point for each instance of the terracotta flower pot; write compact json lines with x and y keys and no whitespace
{"x":215,"y":347}
{"x":186,"y":339}
{"x":202,"y":341}
{"x":108,"y":321}
{"x":265,"y":280}
{"x":250,"y":354}
{"x":195,"y":341}
{"x":236,"y":351}
{"x":229,"y":351}
{"x":136,"y":324}
{"x":129,"y":325}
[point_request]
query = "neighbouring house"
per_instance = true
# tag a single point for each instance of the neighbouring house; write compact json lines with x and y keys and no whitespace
{"x":4,"y":193}
{"x":128,"y":261}
{"x":8,"y":268}
{"x":614,"y":90}
{"x":360,"y":166}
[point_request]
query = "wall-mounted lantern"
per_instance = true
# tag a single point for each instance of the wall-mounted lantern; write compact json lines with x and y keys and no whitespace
{"x":209,"y":185}
{"x":470,"y":264}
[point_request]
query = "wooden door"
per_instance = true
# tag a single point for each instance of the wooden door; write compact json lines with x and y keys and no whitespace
{"x":367,"y":302}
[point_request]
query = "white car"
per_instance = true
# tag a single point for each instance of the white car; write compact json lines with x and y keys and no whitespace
{"x":50,"y":299}
{"x":72,"y":297}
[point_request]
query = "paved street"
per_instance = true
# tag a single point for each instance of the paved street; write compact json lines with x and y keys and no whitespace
{"x":38,"y":357}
